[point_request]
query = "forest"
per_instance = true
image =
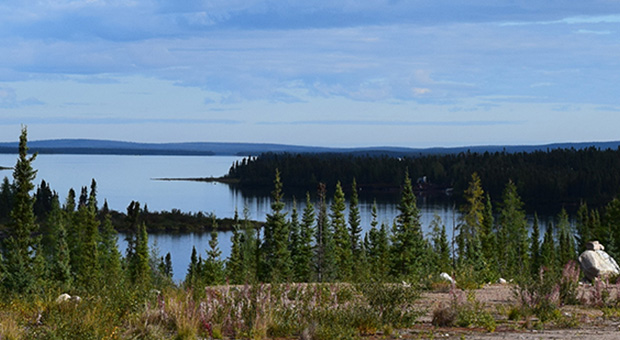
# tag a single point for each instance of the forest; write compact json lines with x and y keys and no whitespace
{"x":557,"y":177}
{"x":311,"y":272}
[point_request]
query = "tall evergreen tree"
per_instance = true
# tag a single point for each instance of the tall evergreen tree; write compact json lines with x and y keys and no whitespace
{"x":87,"y":265}
{"x":514,"y":228}
{"x":535,"y":251}
{"x":109,"y":256}
{"x":57,"y":253}
{"x":324,"y":256}
{"x":441,"y":247}
{"x":303,"y":260}
{"x":235,"y":262}
{"x":20,"y":250}
{"x":377,"y":248}
{"x":294,"y":237}
{"x":548,"y":250}
{"x":469,"y":237}
{"x":213,"y":267}
{"x":488,"y":238}
{"x":342,"y":239}
{"x":6,"y":199}
{"x":276,"y":255}
{"x":566,"y":240}
{"x":408,"y":247}
{"x":355,"y":228}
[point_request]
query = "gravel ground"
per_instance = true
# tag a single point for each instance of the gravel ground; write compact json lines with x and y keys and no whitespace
{"x":497,"y":299}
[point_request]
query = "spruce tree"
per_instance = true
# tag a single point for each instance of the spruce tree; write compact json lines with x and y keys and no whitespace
{"x":303,"y":260}
{"x":234,"y":264}
{"x":535,"y":251}
{"x":21,"y":246}
{"x":275,"y":252}
{"x":488,"y":238}
{"x":566,"y":251}
{"x":514,"y":227}
{"x":548,"y":250}
{"x":57,"y":255}
{"x":191,"y":278}
{"x":469,"y":238}
{"x":294,"y":237}
{"x":324,"y":256}
{"x":355,"y":228}
{"x":583,"y":225}
{"x":212,"y":270}
{"x":109,"y":256}
{"x":87,"y":267}
{"x":408,"y":247}
{"x":441,"y":248}
{"x":342,"y":239}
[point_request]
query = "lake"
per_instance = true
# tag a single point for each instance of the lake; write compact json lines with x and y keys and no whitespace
{"x":121,"y":179}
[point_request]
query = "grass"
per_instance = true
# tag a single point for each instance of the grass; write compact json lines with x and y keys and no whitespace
{"x":311,"y":311}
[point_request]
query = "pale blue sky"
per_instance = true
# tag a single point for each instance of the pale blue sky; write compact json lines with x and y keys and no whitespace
{"x":325,"y":73}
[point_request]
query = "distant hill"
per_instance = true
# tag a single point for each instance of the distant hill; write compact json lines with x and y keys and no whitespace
{"x":91,"y":146}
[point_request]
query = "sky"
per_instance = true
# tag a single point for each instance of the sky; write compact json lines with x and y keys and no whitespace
{"x":416,"y":73}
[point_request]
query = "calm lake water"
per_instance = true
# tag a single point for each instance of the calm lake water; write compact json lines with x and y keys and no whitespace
{"x":121,"y":179}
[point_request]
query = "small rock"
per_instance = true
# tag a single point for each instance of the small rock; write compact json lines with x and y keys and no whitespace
{"x":447,"y":277}
{"x":63,"y":298}
{"x":502,"y":281}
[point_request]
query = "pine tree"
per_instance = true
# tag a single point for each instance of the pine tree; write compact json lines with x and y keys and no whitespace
{"x":548,"y":250}
{"x":324,"y":256}
{"x":535,"y":251}
{"x":583,"y":225}
{"x":57,"y":255}
{"x":441,"y":247}
{"x":342,"y":239}
{"x":294,"y":237}
{"x":355,"y":228}
{"x":514,"y":227}
{"x":566,"y":251}
{"x":408,"y":247}
{"x":275,"y":252}
{"x":191,"y":278}
{"x":87,"y":267}
{"x":303,"y":260}
{"x":6,"y":199}
{"x":212,"y":270}
{"x":468,"y":239}
{"x":109,"y":256}
{"x":21,"y":247}
{"x":488,"y":238}
{"x":234,"y":264}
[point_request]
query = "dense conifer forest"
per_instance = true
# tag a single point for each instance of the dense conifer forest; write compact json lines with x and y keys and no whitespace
{"x":555,"y":177}
{"x":308,"y":271}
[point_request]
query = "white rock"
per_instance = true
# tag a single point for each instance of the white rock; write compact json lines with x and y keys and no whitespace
{"x":502,"y":281}
{"x":446,"y":277}
{"x":63,"y":298}
{"x":597,"y":263}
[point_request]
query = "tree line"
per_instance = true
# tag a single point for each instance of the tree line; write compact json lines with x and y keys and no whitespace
{"x":323,"y":244}
{"x":553,"y":177}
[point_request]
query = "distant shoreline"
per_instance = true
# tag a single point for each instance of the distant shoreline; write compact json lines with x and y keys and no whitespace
{"x":224,"y":180}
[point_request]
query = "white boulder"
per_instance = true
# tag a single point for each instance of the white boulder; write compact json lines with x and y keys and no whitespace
{"x":596,"y":263}
{"x":63,"y":298}
{"x":447,"y":277}
{"x":502,"y":281}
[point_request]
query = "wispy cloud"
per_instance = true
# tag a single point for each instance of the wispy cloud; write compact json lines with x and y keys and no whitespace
{"x":396,"y":123}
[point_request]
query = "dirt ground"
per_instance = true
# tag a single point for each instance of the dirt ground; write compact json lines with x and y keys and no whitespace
{"x":498,"y":299}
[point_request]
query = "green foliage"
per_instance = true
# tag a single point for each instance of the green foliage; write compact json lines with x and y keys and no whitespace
{"x":21,"y":253}
{"x":275,"y":253}
{"x":408,"y":248}
{"x":513,"y":236}
{"x":342,"y":239}
{"x":303,"y":265}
